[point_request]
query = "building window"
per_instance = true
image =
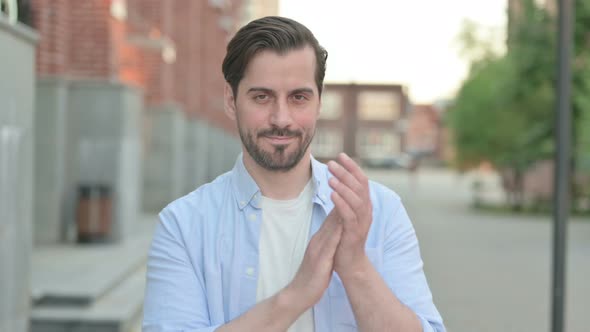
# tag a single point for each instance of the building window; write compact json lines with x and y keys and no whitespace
{"x":377,"y":143}
{"x":327,"y":142}
{"x":378,"y":105}
{"x":331,"y":105}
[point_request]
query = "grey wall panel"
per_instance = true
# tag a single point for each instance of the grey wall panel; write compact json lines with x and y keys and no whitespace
{"x":164,"y":163}
{"x":104,"y":147}
{"x":50,"y":153}
{"x":17,"y":93}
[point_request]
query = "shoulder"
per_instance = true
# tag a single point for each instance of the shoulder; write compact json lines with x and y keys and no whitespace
{"x":202,"y":201}
{"x":383,"y":197}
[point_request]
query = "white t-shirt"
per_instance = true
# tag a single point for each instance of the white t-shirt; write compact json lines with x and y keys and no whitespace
{"x":283,"y":240}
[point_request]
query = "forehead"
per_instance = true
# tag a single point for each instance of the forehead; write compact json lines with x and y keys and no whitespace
{"x":289,"y":70}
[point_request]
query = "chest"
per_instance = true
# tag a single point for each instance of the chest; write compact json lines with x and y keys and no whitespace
{"x":231,"y":260}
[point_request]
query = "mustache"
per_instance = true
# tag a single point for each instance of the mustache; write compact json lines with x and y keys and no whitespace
{"x":279,"y":132}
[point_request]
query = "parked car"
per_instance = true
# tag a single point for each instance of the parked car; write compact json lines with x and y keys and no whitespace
{"x":403,"y":161}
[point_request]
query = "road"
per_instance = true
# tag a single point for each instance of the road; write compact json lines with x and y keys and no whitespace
{"x":490,"y":271}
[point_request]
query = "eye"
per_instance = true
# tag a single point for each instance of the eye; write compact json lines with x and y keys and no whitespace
{"x":261,"y":98}
{"x":299,"y":97}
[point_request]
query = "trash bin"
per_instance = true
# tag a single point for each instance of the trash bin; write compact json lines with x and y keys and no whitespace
{"x":94,"y":213}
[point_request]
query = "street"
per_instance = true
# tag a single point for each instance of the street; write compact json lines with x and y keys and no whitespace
{"x":490,"y":271}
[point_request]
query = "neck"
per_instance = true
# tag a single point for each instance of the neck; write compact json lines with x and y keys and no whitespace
{"x":280,"y":185}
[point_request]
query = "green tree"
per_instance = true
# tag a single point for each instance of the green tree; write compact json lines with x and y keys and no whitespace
{"x":503,"y":113}
{"x":581,"y":101}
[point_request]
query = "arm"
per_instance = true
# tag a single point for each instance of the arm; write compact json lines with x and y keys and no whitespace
{"x":374,"y":301}
{"x":403,"y":268}
{"x":278,"y":312}
{"x":175,"y":289}
{"x":175,"y":292}
{"x":375,"y":307}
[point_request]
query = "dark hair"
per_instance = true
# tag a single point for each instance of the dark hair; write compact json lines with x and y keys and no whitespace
{"x":275,"y":33}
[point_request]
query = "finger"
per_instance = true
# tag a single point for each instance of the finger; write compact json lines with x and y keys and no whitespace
{"x":329,"y":226}
{"x":334,"y":241}
{"x":352,"y":198}
{"x":344,"y":176}
{"x":344,"y":210}
{"x":331,"y":244}
{"x":328,"y":236}
{"x":353,"y":168}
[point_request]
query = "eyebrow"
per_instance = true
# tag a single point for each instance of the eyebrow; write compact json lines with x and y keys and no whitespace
{"x":302,"y":90}
{"x":272,"y":92}
{"x":259,"y":89}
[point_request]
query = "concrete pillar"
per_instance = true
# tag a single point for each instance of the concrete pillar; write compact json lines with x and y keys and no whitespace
{"x":210,"y":152}
{"x":50,"y":156}
{"x":17,"y":93}
{"x":164,"y":165}
{"x":104,"y":148}
{"x":197,"y":149}
{"x":216,"y":153}
{"x":233,"y":148}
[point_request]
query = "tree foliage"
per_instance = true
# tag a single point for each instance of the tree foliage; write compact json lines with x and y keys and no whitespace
{"x":503,"y":113}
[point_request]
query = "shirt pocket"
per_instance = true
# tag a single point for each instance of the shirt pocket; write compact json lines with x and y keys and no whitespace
{"x":342,"y":315}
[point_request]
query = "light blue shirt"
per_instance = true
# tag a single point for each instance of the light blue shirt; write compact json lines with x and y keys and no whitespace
{"x":203,"y":262}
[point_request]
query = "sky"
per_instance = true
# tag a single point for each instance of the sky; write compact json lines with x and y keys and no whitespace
{"x":410,"y":42}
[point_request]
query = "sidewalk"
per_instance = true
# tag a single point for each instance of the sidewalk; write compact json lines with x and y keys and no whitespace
{"x":489,"y":271}
{"x":96,"y":287}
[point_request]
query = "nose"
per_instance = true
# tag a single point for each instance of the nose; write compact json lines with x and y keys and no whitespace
{"x":281,"y":116}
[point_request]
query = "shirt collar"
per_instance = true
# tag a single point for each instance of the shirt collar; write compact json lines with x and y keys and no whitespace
{"x":248,"y":192}
{"x":244,"y":185}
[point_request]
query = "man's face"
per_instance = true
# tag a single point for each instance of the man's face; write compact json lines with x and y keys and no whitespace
{"x":277,"y":107}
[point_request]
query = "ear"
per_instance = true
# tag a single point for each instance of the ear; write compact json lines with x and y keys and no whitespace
{"x":317,"y":115}
{"x":229,"y":102}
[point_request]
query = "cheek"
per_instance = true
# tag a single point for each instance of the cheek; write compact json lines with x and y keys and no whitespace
{"x":251,"y":120}
{"x":307,"y":121}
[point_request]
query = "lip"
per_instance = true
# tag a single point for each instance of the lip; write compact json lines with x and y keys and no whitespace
{"x":279,"y":139}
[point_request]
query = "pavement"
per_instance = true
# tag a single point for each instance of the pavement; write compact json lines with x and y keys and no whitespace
{"x":490,"y":271}
{"x":91,"y":287}
{"x":487,"y":272}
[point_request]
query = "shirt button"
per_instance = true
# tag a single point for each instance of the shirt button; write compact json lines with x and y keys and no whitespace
{"x":250,"y":271}
{"x":252,"y":217}
{"x":242,"y":203}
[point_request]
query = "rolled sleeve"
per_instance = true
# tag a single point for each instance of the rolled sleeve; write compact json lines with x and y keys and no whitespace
{"x":175,"y":292}
{"x":403,"y":269}
{"x":169,"y":328}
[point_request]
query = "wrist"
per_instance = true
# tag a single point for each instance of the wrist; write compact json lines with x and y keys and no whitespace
{"x":357,"y":270}
{"x":289,"y":299}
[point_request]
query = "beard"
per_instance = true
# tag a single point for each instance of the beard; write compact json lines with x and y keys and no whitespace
{"x":276,"y":159}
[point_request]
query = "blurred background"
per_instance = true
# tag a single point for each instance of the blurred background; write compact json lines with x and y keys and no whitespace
{"x":110,"y":109}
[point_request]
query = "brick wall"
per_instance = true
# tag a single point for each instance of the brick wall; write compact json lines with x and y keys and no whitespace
{"x":90,"y":40}
{"x":51,"y":19}
{"x":150,"y":21}
{"x":423,"y":130}
{"x":82,"y":39}
{"x":77,"y":38}
{"x":352,"y":126}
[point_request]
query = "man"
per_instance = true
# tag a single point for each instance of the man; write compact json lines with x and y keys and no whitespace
{"x":283,"y":242}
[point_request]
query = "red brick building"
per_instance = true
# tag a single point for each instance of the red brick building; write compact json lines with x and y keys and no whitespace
{"x":424,"y":132}
{"x":363,"y":120}
{"x":171,"y":49}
